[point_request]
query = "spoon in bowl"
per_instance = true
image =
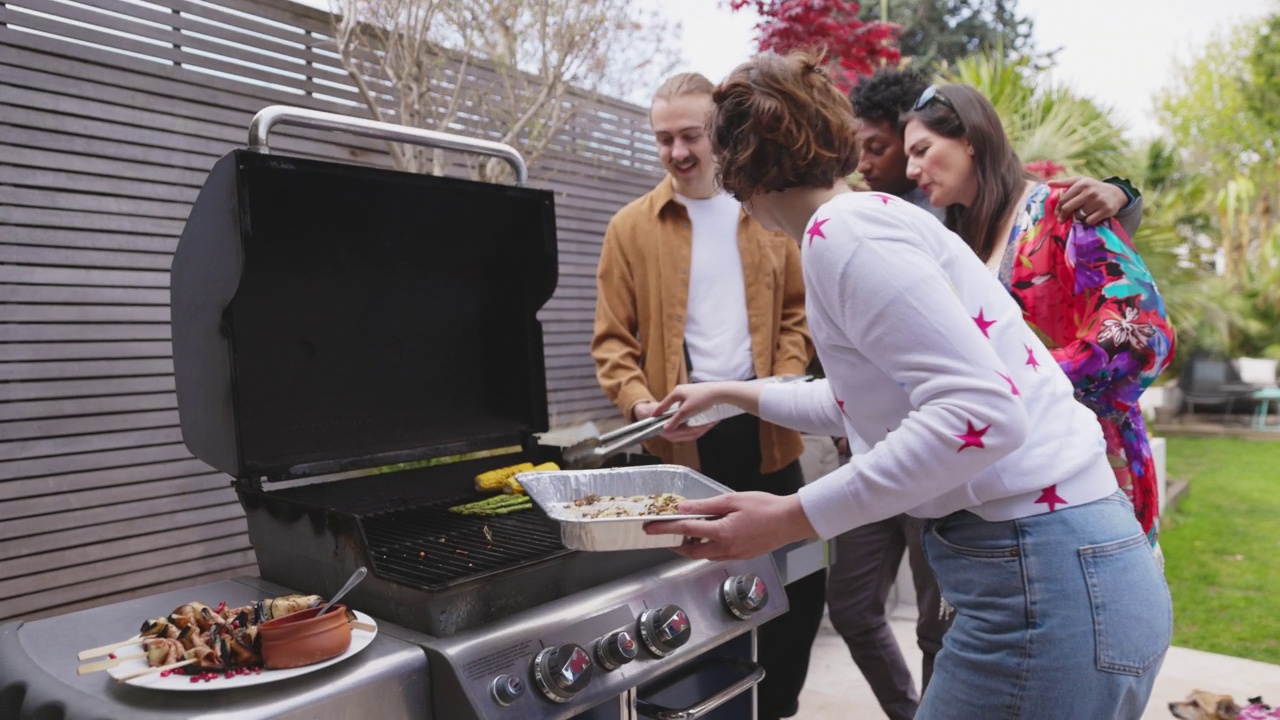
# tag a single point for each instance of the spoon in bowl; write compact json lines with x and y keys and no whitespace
{"x":352,"y":581}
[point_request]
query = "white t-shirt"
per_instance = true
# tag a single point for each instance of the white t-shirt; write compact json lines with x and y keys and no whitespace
{"x":929,"y":362}
{"x":716,"y":333}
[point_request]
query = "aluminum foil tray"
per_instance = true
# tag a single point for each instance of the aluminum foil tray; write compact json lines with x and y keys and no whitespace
{"x":553,"y":490}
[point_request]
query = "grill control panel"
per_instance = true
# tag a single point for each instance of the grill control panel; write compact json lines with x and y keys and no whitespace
{"x":593,"y":646}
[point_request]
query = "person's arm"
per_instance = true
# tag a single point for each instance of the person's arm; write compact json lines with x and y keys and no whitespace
{"x":615,"y":345}
{"x":1099,"y":200}
{"x":795,"y":348}
{"x":1123,"y":336}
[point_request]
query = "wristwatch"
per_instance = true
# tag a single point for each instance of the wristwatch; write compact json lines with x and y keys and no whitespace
{"x":1126,"y":186}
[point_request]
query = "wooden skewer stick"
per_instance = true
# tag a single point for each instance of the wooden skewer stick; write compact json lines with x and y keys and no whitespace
{"x":106,"y":649}
{"x":148,"y":671}
{"x":92,"y":667}
{"x":367,"y":627}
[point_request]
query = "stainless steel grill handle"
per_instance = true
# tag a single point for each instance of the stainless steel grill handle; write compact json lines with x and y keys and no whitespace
{"x":700,"y":709}
{"x":272,"y":115}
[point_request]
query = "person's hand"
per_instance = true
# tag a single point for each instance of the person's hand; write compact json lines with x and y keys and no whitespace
{"x":1088,"y":200}
{"x":750,"y":524}
{"x":693,"y":398}
{"x":643,"y":410}
{"x":646,"y":410}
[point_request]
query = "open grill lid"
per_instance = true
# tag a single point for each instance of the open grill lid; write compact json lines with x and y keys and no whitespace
{"x":328,"y":317}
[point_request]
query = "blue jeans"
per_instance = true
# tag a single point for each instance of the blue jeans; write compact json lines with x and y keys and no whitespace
{"x":1064,"y":615}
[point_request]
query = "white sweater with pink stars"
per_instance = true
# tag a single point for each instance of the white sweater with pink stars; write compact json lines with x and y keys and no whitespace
{"x":929,"y":363}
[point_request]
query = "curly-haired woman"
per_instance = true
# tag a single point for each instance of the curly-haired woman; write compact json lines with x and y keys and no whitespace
{"x":1061,"y":610}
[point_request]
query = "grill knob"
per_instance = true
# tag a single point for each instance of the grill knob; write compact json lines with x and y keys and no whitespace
{"x":562,"y":672}
{"x":507,"y":689}
{"x":743,"y":595}
{"x":665,"y":629}
{"x":615,"y":650}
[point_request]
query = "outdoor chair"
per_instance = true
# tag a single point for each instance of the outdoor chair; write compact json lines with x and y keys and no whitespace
{"x":1212,"y":381}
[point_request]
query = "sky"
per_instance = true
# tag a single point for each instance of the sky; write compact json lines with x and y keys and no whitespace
{"x":1120,"y":53}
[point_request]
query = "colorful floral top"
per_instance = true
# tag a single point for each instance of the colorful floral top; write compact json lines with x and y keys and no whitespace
{"x":1086,"y":291}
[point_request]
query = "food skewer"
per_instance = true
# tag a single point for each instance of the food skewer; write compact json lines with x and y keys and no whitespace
{"x":357,"y":625}
{"x":159,"y":668}
{"x":106,"y":649}
{"x":92,"y":667}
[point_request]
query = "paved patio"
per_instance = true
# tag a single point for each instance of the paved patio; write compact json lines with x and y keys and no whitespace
{"x":835,"y":689}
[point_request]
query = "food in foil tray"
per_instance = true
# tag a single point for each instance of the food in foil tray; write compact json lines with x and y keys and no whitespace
{"x":596,"y":506}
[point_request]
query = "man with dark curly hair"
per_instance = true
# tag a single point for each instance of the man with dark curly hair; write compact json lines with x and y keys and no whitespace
{"x":867,"y":558}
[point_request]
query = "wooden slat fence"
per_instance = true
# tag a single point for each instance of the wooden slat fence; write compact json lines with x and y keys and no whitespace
{"x":111,"y":114}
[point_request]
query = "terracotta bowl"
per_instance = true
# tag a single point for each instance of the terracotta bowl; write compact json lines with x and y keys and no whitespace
{"x":301,"y":638}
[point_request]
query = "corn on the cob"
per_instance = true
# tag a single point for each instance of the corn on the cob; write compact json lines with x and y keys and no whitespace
{"x":492,"y":480}
{"x":512,"y":484}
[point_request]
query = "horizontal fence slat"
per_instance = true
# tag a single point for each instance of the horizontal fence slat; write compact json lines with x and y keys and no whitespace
{"x":141,"y":561}
{"x":134,"y":510}
{"x":85,"y":368}
{"x":132,"y":582}
{"x":93,"y":479}
{"x":54,"y":427}
{"x":79,"y":295}
{"x":106,"y":548}
{"x":83,"y":333}
{"x":76,"y":444}
{"x":87,"y":462}
{"x":40,"y":409}
{"x":84,"y":313}
{"x":95,"y":387}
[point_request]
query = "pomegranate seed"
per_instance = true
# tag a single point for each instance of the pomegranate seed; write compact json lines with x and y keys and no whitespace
{"x":166,"y":673}
{"x":195,"y":678}
{"x":112,"y":656}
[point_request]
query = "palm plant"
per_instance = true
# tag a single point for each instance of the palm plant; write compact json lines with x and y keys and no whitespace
{"x":1044,"y":122}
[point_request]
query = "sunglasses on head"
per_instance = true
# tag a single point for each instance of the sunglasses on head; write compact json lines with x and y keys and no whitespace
{"x":930,"y":94}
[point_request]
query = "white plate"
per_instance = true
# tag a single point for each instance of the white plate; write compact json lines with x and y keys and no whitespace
{"x":360,"y":639}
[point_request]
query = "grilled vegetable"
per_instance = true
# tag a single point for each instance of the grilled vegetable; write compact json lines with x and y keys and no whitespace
{"x":513,"y":487}
{"x":496,"y":505}
{"x":492,"y":480}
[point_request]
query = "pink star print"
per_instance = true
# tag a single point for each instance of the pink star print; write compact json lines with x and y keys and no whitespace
{"x":983,"y":323}
{"x":840,"y":404}
{"x":815,"y":230}
{"x":972,"y":437}
{"x":1031,"y":358}
{"x":883,"y":198}
{"x":1050,"y":497}
{"x":1012,"y":388}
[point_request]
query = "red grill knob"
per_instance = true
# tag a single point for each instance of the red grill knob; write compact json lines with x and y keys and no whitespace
{"x":562,"y":672}
{"x":665,"y":629}
{"x":615,"y":650}
{"x":743,"y":595}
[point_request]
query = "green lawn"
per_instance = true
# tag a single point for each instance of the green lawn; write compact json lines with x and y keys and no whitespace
{"x":1222,"y":546}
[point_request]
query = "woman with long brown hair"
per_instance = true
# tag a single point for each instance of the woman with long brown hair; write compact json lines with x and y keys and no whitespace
{"x":1061,"y":610}
{"x":1082,"y":287}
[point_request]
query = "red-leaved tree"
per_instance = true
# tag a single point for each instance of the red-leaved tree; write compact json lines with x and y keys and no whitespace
{"x":853,"y":47}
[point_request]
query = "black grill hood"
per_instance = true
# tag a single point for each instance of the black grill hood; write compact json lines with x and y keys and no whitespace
{"x":329,"y":317}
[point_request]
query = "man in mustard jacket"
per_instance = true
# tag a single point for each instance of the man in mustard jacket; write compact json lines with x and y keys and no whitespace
{"x":691,"y":289}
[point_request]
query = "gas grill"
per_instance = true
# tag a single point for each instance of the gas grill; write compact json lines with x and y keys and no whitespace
{"x":354,"y":345}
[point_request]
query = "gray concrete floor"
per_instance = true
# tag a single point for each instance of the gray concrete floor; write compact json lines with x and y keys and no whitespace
{"x":835,"y":689}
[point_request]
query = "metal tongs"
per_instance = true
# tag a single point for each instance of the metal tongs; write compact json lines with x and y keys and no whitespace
{"x":592,"y":452}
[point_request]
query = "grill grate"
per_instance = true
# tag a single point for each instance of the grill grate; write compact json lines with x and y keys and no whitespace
{"x":428,"y":547}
